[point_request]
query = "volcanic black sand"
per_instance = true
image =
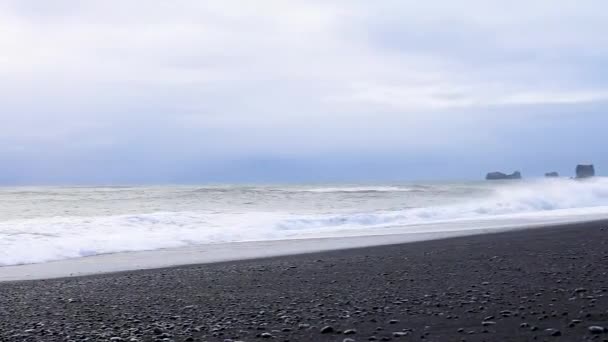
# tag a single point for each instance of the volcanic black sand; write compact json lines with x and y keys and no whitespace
{"x":547,"y":284}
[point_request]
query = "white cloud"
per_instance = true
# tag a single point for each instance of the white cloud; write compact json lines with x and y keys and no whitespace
{"x":274,"y":73}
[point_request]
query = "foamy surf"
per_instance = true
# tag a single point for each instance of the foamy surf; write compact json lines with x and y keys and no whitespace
{"x":360,"y":189}
{"x":132,"y":222}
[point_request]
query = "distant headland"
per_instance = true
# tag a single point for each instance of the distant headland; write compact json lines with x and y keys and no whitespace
{"x":501,"y":175}
{"x":582,"y":171}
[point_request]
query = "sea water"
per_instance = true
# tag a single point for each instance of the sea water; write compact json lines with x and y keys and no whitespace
{"x":40,"y":224}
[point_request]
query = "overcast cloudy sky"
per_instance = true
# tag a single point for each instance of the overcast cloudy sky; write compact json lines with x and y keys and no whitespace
{"x":183,"y":91}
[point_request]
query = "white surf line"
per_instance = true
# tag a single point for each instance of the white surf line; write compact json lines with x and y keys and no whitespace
{"x":211,"y":253}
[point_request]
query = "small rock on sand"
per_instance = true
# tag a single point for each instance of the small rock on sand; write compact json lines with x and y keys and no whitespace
{"x":553,"y":332}
{"x":596,"y":329}
{"x":327,"y":329}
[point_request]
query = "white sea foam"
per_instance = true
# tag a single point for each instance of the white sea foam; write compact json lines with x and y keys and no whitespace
{"x":330,"y":189}
{"x":41,"y":239}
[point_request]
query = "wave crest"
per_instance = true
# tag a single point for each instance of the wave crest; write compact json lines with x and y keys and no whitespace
{"x":47,"y":239}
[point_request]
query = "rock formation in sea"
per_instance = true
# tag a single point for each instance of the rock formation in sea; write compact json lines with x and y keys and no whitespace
{"x":552,"y":174}
{"x":501,"y":175}
{"x":585,"y":171}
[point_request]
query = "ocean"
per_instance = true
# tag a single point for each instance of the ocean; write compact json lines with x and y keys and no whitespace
{"x":41,"y":224}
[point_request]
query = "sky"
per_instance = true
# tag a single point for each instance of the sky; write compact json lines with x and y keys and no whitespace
{"x":188,"y":91}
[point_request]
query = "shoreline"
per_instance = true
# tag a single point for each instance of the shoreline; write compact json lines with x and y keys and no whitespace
{"x":531,"y":284}
{"x":251,"y":250}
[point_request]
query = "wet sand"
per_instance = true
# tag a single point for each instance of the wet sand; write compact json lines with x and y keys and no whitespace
{"x":529,"y":285}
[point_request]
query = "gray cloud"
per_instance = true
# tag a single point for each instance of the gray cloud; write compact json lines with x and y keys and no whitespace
{"x":93,"y":86}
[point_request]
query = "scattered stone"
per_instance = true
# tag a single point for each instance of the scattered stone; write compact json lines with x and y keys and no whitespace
{"x":596,"y":329}
{"x":327,"y":329}
{"x":223,"y":303}
{"x":553,"y":332}
{"x":506,"y":313}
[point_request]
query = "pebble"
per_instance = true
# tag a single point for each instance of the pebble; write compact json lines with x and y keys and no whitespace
{"x":327,"y":329}
{"x":553,"y":332}
{"x":506,"y":313}
{"x":596,"y":329}
{"x":169,"y":306}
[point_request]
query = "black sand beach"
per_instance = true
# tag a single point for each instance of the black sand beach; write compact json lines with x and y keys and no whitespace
{"x":548,"y":284}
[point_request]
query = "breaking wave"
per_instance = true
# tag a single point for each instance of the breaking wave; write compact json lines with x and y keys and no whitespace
{"x":360,"y":189}
{"x":44,"y":239}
